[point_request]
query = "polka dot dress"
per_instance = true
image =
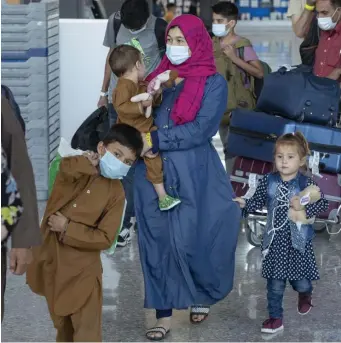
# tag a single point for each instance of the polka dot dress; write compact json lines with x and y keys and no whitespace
{"x":282,"y":260}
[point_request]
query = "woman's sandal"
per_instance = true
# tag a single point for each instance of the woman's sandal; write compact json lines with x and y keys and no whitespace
{"x":160,"y":332}
{"x":199,"y":310}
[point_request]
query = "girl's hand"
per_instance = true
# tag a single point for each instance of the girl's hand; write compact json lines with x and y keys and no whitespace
{"x":295,"y":203}
{"x":240,"y":201}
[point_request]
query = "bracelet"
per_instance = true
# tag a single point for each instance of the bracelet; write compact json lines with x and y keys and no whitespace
{"x":104,"y":94}
{"x":149,"y":139}
{"x":309,"y":7}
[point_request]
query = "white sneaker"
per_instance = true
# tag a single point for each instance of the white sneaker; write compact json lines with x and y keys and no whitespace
{"x":123,"y":238}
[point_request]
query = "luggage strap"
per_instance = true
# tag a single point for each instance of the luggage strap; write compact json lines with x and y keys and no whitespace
{"x":271,"y":137}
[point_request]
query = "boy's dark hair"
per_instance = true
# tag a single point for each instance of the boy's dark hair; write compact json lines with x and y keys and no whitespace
{"x":123,"y":58}
{"x":127,"y":136}
{"x":171,"y":6}
{"x":134,"y":14}
{"x":226,"y":9}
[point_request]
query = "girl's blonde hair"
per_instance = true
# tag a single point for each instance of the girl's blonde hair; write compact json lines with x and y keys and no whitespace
{"x":298,"y":140}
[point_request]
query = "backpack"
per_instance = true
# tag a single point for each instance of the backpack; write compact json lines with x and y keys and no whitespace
{"x":239,"y":96}
{"x":258,"y":83}
{"x":159,"y":29}
{"x":309,"y":44}
{"x":92,"y":130}
{"x":7,"y":93}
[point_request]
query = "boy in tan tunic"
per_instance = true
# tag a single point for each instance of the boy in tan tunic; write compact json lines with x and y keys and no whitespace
{"x":126,"y":63}
{"x":82,"y":217}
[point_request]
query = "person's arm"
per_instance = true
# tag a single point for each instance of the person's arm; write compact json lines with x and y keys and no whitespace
{"x":257,"y":201}
{"x":72,"y":168}
{"x":109,"y":41}
{"x":250,"y":64}
{"x":103,"y":100}
{"x":100,"y":238}
{"x":27,"y":231}
{"x":317,"y":207}
{"x":301,"y":18}
{"x":202,"y":128}
{"x":123,"y":104}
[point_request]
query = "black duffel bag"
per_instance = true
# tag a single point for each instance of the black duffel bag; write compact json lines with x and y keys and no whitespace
{"x":301,"y":96}
{"x":92,"y":130}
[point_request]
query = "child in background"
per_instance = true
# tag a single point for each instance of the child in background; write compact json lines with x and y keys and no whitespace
{"x":287,"y":250}
{"x":127,"y":64}
{"x":237,"y":61}
{"x":170,"y":13}
{"x":83,"y":216}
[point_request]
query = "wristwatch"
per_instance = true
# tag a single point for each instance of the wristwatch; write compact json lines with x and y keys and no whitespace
{"x":103,"y":94}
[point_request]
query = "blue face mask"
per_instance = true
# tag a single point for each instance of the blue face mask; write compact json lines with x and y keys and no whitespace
{"x":177,"y":54}
{"x":112,"y":168}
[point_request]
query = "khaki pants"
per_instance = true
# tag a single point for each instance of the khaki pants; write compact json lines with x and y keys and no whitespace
{"x":85,"y":325}
{"x":229,"y":159}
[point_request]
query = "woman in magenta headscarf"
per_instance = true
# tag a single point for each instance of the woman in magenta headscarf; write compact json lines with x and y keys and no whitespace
{"x":187,"y":253}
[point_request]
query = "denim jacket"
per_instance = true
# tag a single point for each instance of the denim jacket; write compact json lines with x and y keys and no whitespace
{"x":279,"y":196}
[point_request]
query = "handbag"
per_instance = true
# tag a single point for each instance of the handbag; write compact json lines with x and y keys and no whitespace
{"x":92,"y":130}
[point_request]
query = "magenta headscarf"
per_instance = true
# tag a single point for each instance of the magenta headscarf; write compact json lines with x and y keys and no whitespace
{"x":194,"y":71}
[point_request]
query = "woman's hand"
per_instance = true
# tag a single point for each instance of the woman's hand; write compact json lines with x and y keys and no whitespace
{"x":149,"y":154}
{"x":240,"y":201}
{"x":146,"y":144}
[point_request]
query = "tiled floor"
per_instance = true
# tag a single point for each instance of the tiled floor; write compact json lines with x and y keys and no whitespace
{"x":237,"y":318}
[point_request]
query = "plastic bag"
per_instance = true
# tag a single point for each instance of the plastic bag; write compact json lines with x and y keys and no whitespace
{"x":64,"y":150}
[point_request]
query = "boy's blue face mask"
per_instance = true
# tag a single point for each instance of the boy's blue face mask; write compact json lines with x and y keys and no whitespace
{"x":112,"y":168}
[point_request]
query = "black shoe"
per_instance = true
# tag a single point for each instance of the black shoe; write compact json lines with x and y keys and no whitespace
{"x":123,"y":238}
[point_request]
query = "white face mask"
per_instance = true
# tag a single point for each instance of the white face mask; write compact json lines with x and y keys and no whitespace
{"x":327,"y":23}
{"x":138,"y":31}
{"x":220,"y":30}
{"x":111,"y":167}
{"x":177,"y":54}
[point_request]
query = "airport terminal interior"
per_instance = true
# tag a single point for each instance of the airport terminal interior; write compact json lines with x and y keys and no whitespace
{"x":237,"y":318}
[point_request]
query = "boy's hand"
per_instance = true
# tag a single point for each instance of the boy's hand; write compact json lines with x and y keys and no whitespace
{"x":240,"y":201}
{"x":57,"y":222}
{"x":92,"y":157}
{"x":230,"y":52}
{"x":147,"y":103}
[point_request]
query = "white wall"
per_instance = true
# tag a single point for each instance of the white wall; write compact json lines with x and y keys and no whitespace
{"x":82,"y":58}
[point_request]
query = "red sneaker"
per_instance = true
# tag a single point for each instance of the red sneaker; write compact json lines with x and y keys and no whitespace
{"x":272,"y":325}
{"x":304,"y":303}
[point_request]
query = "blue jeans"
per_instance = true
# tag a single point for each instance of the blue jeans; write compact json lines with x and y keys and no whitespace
{"x":128,"y":181}
{"x":276,"y":290}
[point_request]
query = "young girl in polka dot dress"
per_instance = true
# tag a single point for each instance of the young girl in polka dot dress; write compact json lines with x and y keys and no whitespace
{"x":286,"y":247}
